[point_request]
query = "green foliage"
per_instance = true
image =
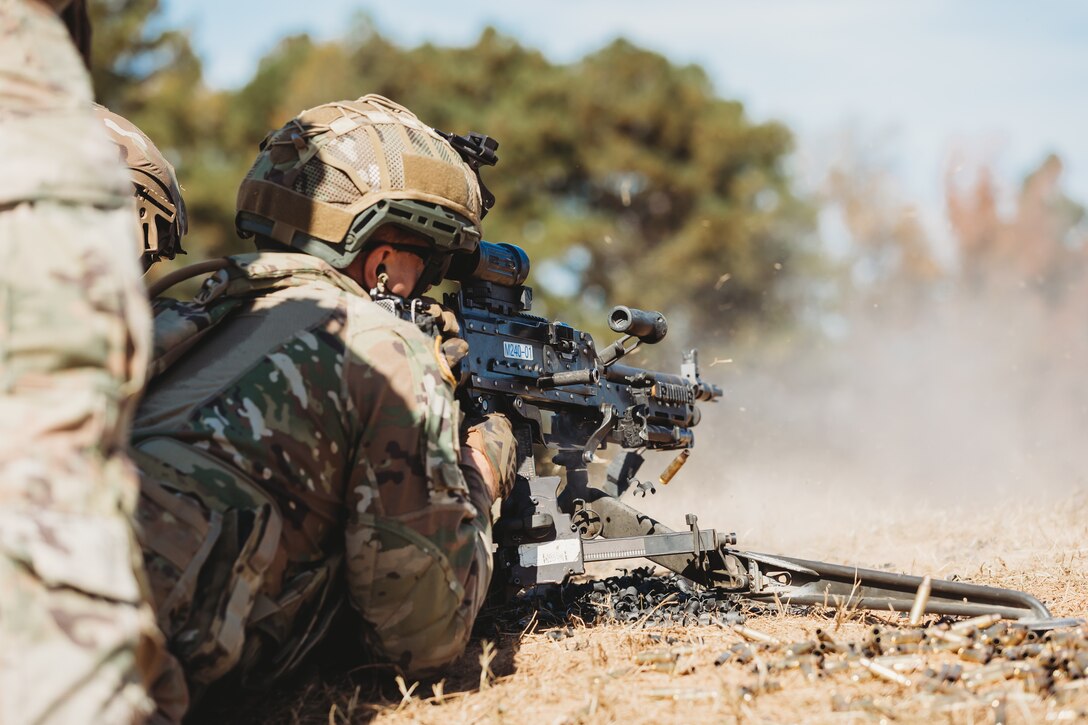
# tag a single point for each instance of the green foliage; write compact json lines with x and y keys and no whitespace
{"x":625,"y":177}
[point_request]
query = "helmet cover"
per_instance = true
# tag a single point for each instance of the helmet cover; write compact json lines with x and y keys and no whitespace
{"x":334,"y":174}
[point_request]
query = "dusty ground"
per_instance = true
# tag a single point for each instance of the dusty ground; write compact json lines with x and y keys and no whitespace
{"x":615,"y":673}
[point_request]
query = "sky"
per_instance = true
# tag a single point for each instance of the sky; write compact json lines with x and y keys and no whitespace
{"x":997,"y":81}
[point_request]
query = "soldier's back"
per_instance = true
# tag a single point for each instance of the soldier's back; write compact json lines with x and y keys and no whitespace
{"x":77,"y":643}
{"x":281,"y":370}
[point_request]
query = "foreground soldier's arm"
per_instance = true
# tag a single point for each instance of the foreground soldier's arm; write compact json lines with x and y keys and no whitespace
{"x":418,"y":538}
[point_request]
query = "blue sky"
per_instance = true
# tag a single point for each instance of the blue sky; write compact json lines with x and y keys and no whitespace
{"x":1005,"y":82}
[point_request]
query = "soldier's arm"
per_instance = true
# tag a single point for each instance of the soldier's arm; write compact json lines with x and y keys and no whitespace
{"x":418,"y":539}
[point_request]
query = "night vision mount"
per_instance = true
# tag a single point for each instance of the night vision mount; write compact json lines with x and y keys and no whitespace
{"x":476,"y":150}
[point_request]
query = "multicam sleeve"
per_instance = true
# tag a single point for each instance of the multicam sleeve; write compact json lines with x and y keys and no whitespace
{"x":418,"y":545}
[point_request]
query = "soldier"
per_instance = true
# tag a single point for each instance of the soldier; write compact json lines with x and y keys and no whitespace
{"x":299,"y":444}
{"x":161,"y":221}
{"x":77,"y":641}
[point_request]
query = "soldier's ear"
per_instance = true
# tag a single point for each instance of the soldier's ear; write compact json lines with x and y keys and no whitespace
{"x":380,"y":270}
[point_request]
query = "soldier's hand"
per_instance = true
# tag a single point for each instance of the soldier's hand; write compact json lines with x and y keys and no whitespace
{"x":492,"y":439}
{"x":449,"y":347}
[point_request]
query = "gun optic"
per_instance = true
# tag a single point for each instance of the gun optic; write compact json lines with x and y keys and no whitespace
{"x":649,"y":327}
{"x":506,"y":265}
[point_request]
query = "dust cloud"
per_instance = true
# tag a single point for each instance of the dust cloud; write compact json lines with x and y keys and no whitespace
{"x":965,"y":405}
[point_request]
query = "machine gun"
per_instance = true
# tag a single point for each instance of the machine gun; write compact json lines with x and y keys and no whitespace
{"x":565,"y":396}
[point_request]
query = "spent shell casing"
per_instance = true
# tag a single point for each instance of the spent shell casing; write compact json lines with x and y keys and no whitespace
{"x":905,"y":636}
{"x":978,"y":655}
{"x":885,"y":673}
{"x":921,"y":598}
{"x":950,"y":673}
{"x":674,"y":467}
{"x":1070,"y":688}
{"x":800,"y":648}
{"x":1064,"y":638}
{"x":1013,"y":636}
{"x":742,"y":653}
{"x":901,"y":663}
{"x":943,"y":635}
{"x":796,"y":662}
{"x":655,"y":656}
{"x":989,"y":674}
{"x":975,"y":623}
{"x":754,"y":635}
{"x":824,"y":636}
{"x":1035,"y":679}
{"x":832,"y":666}
{"x":1023,"y":651}
{"x":1075,"y":669}
{"x":685,"y":695}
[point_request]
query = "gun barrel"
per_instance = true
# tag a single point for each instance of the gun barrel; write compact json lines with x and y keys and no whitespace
{"x":706,"y":391}
{"x":650,"y":327}
{"x":585,"y":376}
{"x":670,"y":436}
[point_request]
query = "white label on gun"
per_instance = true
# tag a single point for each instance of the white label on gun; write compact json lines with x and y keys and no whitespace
{"x":517,"y":350}
{"x":562,"y":551}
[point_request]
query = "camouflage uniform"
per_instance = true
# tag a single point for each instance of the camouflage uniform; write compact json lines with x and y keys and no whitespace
{"x":76,"y":642}
{"x":299,"y":443}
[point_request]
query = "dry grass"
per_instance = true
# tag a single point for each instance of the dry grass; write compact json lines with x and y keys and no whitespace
{"x":617,"y":673}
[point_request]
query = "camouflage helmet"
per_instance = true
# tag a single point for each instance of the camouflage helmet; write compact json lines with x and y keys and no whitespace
{"x":334,"y":174}
{"x":160,"y":209}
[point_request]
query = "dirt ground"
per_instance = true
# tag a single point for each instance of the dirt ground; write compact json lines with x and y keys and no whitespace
{"x":617,"y":673}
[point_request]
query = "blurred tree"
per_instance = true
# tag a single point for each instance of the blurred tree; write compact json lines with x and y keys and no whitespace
{"x":626,"y":178}
{"x":144,"y":72}
{"x":1038,"y":245}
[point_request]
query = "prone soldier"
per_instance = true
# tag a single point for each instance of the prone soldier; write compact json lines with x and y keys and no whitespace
{"x":300,"y":447}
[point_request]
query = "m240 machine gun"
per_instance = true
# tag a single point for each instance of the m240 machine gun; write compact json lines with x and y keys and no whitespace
{"x":565,"y":396}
